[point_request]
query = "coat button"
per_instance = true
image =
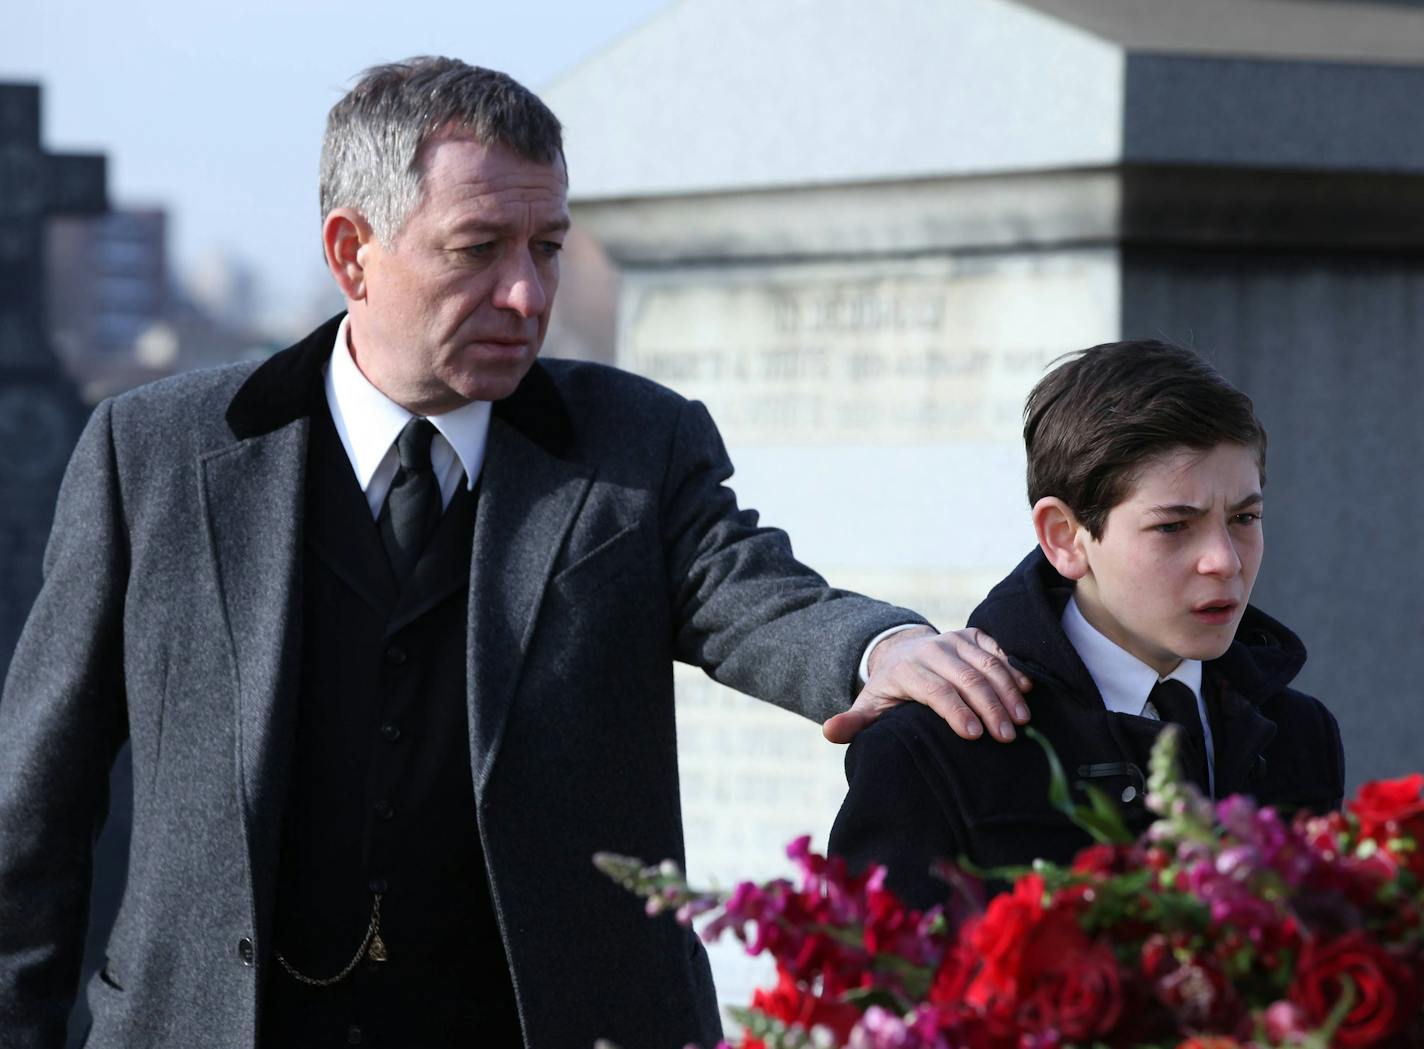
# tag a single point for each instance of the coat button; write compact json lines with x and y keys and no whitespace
{"x":395,"y":654}
{"x":390,"y":732}
{"x":244,"y":950}
{"x":353,"y":1035}
{"x":384,"y":810}
{"x":377,"y":885}
{"x":1129,"y":792}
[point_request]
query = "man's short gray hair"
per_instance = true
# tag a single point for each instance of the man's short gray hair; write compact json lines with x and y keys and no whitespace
{"x":370,"y":156}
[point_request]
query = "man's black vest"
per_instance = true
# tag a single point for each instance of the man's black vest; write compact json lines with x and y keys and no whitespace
{"x":380,"y":797}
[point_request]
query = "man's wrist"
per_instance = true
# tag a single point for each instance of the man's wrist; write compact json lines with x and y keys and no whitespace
{"x":863,"y":672}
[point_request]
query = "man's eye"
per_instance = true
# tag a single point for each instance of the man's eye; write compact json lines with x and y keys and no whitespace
{"x":1171,"y":527}
{"x":476,"y":250}
{"x":1247,"y":519}
{"x":550,"y":248}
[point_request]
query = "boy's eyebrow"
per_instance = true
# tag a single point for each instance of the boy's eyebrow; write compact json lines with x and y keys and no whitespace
{"x":1180,"y":510}
{"x":1254,"y":499}
{"x":1184,"y":510}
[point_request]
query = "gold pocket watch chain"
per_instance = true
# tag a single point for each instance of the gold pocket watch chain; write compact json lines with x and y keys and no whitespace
{"x":372,"y":948}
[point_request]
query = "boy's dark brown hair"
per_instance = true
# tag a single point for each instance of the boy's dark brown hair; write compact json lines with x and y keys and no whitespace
{"x":1093,"y":421}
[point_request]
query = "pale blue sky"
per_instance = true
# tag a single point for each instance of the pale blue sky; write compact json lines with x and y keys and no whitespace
{"x":216,"y":111}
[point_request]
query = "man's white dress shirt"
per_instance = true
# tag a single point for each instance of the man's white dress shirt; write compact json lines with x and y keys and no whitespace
{"x":368,"y":422}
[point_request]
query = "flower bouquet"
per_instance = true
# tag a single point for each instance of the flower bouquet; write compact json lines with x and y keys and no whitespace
{"x":1223,"y":927}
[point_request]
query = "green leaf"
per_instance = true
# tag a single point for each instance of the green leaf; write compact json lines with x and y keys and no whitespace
{"x":1102,"y":821}
{"x":1058,"y":795}
{"x":774,"y":1033}
{"x":864,"y":997}
{"x":1108,"y":817}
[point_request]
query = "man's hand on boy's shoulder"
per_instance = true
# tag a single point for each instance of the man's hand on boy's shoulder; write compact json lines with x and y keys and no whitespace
{"x":962,"y":675}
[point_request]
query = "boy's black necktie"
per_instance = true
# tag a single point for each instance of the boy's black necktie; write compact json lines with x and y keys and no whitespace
{"x":412,"y":507}
{"x":1176,"y":703}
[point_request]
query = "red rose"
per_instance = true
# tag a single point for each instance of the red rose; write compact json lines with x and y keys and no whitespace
{"x":1055,"y":939}
{"x":1080,"y":996}
{"x":1391,"y":814}
{"x":791,"y":1005}
{"x":951,"y":979}
{"x":1384,"y":990}
{"x":1037,"y":969}
{"x":891,"y":927}
{"x":1384,"y":802}
{"x":999,"y":938}
{"x":1050,"y":941}
{"x":1016,"y":939}
{"x":1107,"y":860}
{"x":1210,"y":1042}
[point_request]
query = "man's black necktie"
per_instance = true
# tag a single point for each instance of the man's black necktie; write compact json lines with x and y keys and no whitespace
{"x":1175,"y":702}
{"x":412,"y":507}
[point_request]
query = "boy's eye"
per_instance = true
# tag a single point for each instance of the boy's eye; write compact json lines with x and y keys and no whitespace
{"x":1171,"y":527}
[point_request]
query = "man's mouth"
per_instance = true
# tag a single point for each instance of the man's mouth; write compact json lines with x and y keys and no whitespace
{"x":501,"y":344}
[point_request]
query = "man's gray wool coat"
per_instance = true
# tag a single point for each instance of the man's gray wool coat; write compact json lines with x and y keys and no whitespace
{"x":606,"y":546}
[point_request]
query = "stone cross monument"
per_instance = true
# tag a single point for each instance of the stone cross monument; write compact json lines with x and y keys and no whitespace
{"x":40,"y":414}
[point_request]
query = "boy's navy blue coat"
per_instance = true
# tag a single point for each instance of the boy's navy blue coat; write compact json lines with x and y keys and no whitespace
{"x":919,"y":793}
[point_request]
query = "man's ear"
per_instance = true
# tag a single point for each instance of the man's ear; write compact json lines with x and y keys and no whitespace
{"x":345,"y":239}
{"x":1061,"y":537}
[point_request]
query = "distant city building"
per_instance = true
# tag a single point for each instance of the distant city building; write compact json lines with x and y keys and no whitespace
{"x":117,"y":317}
{"x":223,"y":286}
{"x":108,"y":289}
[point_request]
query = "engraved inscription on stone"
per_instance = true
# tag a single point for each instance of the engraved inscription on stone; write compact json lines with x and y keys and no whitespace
{"x":933,"y":352}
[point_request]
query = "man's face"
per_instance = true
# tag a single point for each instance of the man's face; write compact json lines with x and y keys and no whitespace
{"x":455,"y":310}
{"x":1171,"y":574}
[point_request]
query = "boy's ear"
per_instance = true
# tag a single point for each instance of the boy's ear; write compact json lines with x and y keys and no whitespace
{"x":1061,"y":537}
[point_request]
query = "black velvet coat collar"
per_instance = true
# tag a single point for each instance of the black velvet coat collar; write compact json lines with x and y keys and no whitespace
{"x":283,"y":388}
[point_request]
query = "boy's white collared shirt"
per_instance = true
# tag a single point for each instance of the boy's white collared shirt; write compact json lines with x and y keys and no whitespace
{"x":1124,"y":681}
{"x":368,"y":423}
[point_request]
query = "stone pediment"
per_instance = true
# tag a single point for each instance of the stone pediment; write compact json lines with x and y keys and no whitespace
{"x":713,"y":96}
{"x":1372,"y":32}
{"x":750,"y":94}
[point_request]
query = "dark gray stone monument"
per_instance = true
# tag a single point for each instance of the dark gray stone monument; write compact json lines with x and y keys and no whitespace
{"x":40,"y":419}
{"x":40,"y":413}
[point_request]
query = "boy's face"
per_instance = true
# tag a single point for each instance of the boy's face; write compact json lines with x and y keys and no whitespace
{"x":1171,"y":574}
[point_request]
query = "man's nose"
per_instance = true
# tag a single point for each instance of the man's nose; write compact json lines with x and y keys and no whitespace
{"x":521,"y":287}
